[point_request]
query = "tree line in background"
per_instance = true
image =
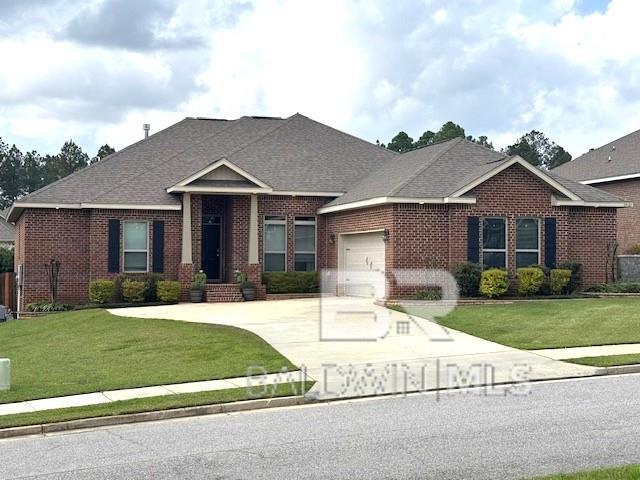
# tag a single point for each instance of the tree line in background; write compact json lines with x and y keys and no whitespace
{"x":535,"y":147}
{"x":22,"y":173}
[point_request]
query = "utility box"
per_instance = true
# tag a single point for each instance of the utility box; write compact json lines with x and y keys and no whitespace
{"x":5,"y":374}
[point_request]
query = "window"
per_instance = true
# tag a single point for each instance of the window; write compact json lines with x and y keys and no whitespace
{"x":494,"y":242}
{"x":136,"y":246}
{"x":527,"y":242}
{"x":275,"y":243}
{"x":305,"y":244}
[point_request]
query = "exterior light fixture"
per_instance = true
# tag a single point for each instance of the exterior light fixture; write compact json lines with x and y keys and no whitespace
{"x":385,"y":235}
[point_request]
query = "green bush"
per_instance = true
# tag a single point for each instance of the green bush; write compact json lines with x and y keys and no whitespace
{"x":530,"y":280}
{"x":199,"y":281}
{"x":559,"y":279}
{"x":47,"y":306}
{"x":168,"y":291}
{"x":6,"y":260}
{"x":150,"y":283}
{"x":494,"y":283}
{"x":576,"y":275}
{"x":430,"y":294}
{"x":133,"y":291}
{"x":101,"y":291}
{"x":635,"y":249}
{"x":291,"y":282}
{"x":617,"y":287}
{"x":468,"y":275}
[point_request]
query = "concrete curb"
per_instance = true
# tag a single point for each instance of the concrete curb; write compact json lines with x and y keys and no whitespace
{"x":69,"y":425}
{"x":622,"y":369}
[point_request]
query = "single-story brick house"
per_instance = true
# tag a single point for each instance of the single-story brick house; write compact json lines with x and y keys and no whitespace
{"x":269,"y":194}
{"x":614,"y":168}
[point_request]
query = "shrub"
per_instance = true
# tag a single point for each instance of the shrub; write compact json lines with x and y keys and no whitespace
{"x":559,"y":279}
{"x":635,"y":249}
{"x":467,"y":275}
{"x":291,"y":282}
{"x":430,"y":294}
{"x":6,"y":260}
{"x":199,"y":281}
{"x":101,"y":291}
{"x":617,"y":287}
{"x":576,"y":275}
{"x":530,"y":280}
{"x":493,"y":283}
{"x":150,"y":283}
{"x":133,"y":291}
{"x":47,"y":306}
{"x":168,"y":291}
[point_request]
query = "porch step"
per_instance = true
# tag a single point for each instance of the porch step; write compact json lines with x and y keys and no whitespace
{"x":223,"y":292}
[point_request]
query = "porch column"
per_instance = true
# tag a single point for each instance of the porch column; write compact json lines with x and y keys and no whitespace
{"x":253,"y":230}
{"x":186,"y":228}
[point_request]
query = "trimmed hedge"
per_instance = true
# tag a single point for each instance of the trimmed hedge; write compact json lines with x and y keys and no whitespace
{"x":429,"y":294}
{"x":133,"y":291}
{"x":168,"y":291}
{"x":617,"y":287}
{"x":530,"y":280}
{"x":101,"y":291}
{"x":468,"y":275}
{"x":291,"y":282}
{"x":576,"y":275}
{"x":47,"y":306}
{"x":494,"y":283}
{"x":559,"y":279}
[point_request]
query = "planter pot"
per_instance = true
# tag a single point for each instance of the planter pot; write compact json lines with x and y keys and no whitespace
{"x":249,"y":293}
{"x":195,"y":295}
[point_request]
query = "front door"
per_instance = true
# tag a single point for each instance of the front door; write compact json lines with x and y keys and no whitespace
{"x":212,"y":246}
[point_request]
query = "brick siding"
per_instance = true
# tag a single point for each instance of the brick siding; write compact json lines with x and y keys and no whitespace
{"x":628,"y":218}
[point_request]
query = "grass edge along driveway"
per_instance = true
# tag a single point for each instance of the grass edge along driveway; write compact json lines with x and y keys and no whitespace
{"x":92,"y":350}
{"x":550,"y":323}
{"x":630,"y":472}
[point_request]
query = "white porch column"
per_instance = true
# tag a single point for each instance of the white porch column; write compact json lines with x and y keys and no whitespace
{"x":186,"y":228}
{"x":253,"y":230}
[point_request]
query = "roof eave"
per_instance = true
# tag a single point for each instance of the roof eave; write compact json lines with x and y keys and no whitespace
{"x":610,"y":179}
{"x":377,"y":201}
{"x":560,"y":202}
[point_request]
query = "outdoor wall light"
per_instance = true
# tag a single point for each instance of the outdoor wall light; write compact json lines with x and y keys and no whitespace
{"x":332,"y":239}
{"x":385,"y":235}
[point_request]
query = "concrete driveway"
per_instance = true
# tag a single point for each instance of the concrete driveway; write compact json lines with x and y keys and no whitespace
{"x":426,"y":357}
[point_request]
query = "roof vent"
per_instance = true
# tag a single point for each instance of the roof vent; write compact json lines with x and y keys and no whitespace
{"x":146,"y":127}
{"x":613,"y":149}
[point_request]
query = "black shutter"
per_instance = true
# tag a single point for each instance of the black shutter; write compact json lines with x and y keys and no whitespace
{"x":158,"y":246}
{"x":113,"y":257}
{"x":550,"y":242}
{"x":473,"y":239}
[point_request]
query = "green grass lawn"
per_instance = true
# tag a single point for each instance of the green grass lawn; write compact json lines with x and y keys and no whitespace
{"x":608,"y":361}
{"x":151,"y":404}
{"x":551,"y":323}
{"x":631,"y":472}
{"x":92,"y":350}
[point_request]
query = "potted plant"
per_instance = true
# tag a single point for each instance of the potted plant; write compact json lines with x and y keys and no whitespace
{"x":248,"y":288}
{"x":197,"y":287}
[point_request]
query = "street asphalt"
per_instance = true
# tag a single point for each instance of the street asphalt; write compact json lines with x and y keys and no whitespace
{"x":555,"y":426}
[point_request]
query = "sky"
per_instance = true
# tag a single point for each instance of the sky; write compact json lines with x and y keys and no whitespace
{"x":95,"y":71}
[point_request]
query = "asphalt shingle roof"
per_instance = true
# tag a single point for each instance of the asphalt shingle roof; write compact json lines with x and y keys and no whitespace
{"x":605,"y":161}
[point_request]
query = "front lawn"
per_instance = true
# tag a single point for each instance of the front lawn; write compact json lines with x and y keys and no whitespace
{"x":92,"y":350}
{"x":608,"y":360}
{"x":551,"y":323}
{"x":632,"y":472}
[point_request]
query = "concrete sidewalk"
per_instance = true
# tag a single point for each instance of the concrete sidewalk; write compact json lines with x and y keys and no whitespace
{"x":597,"y":351}
{"x":145,"y":392}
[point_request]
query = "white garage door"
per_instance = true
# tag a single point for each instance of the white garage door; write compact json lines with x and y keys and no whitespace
{"x":361,"y":252}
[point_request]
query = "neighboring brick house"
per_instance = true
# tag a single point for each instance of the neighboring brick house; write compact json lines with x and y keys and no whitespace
{"x":268,"y":194}
{"x":614,"y":168}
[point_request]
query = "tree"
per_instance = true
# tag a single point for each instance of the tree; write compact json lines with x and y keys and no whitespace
{"x":401,"y":143}
{"x":539,"y":151}
{"x":425,"y":139}
{"x":448,"y":131}
{"x":11,"y":174}
{"x":482,"y":140}
{"x":33,"y":169}
{"x":70,"y":159}
{"x":104,"y":151}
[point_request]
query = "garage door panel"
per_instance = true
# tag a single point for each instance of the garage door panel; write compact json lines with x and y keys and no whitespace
{"x":361,"y":252}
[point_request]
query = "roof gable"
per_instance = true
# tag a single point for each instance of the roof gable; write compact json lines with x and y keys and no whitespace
{"x":221,"y":177}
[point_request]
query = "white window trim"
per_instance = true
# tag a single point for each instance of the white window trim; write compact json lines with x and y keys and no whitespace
{"x":528,"y":250}
{"x":313,"y":222}
{"x":266,"y":222}
{"x":504,"y":250}
{"x":124,"y":250}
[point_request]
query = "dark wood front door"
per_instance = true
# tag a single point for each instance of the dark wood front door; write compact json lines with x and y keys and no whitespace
{"x":212,"y":246}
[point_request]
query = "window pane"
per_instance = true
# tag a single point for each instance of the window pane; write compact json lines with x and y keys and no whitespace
{"x":305,"y":262}
{"x":305,"y":238}
{"x":527,"y":234}
{"x":274,"y":262}
{"x":274,"y":238}
{"x":494,"y":259}
{"x":493,"y":233}
{"x":135,"y":261}
{"x":135,"y":235}
{"x":526,"y":259}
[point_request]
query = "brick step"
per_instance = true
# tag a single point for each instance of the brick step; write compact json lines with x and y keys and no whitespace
{"x":223,"y":292}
